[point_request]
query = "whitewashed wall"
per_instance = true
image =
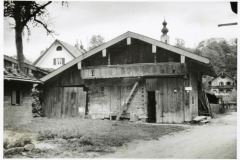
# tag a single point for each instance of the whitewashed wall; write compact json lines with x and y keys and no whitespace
{"x":47,"y":60}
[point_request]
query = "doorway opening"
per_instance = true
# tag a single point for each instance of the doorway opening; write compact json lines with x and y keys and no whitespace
{"x":151,"y":107}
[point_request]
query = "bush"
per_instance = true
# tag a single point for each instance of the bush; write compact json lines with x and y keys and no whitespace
{"x":17,"y":141}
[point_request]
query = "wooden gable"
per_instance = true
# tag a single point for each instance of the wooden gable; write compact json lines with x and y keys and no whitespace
{"x":122,"y":41}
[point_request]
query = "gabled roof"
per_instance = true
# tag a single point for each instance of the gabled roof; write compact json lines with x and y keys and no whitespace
{"x":223,"y":73}
{"x":70,"y":48}
{"x":27,"y":65}
{"x":14,"y":75}
{"x":157,"y":43}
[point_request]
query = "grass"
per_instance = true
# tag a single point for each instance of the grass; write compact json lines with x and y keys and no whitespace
{"x":85,"y":135}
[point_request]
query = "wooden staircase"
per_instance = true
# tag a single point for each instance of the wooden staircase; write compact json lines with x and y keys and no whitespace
{"x":205,"y":103}
{"x":129,"y":99}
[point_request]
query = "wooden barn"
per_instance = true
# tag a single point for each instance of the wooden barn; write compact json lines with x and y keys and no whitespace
{"x":130,"y":75}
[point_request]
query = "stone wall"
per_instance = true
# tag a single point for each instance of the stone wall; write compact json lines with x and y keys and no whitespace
{"x":17,"y":114}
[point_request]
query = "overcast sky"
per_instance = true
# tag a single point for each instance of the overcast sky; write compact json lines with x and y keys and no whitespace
{"x":191,"y":21}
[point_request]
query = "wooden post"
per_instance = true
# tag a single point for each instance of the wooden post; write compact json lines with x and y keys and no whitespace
{"x":154,"y":49}
{"x":109,"y":63}
{"x":182,"y":59}
{"x":79,"y":65}
{"x":128,"y":40}
{"x":104,"y":52}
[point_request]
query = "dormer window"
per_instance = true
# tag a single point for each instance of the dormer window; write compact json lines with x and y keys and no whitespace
{"x":59,"y":48}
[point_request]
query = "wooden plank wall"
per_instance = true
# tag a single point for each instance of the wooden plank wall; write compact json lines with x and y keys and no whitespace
{"x":107,"y":96}
{"x":70,"y":77}
{"x":64,"y":101}
{"x":137,"y":52}
{"x":170,"y":104}
{"x":133,"y":70}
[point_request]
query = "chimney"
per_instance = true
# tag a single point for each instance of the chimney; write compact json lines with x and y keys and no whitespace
{"x":164,"y":37}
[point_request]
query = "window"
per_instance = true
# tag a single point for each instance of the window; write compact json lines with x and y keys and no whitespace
{"x":228,"y":90}
{"x":221,"y":84}
{"x":59,"y":48}
{"x":228,"y":83}
{"x":58,"y":61}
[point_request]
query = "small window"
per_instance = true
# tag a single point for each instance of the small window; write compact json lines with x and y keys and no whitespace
{"x":228,"y":90}
{"x":228,"y":83}
{"x":59,"y":48}
{"x":221,"y":84}
{"x":58,"y":61}
{"x":221,"y":91}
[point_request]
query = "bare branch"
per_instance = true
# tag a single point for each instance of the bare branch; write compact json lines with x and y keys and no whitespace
{"x":38,"y":10}
{"x":44,"y":26}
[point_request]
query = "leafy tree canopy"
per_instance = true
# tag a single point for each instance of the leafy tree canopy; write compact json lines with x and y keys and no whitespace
{"x":95,"y":41}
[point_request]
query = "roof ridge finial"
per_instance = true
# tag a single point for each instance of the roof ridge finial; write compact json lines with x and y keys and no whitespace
{"x":164,"y":29}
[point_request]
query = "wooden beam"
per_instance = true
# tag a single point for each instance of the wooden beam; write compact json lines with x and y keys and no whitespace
{"x":128,"y":40}
{"x":79,"y":65}
{"x":109,"y":59}
{"x":154,"y":49}
{"x":104,"y":52}
{"x":182,"y":59}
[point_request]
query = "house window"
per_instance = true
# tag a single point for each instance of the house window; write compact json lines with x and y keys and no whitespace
{"x":221,"y":91}
{"x":228,"y":90}
{"x":228,"y":83}
{"x":16,"y":97}
{"x":58,"y":61}
{"x":221,"y":84}
{"x":59,"y":48}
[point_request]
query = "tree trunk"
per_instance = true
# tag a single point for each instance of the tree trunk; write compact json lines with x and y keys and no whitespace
{"x":19,"y":46}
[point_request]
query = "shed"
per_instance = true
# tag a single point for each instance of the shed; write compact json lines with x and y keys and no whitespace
{"x":130,"y":74}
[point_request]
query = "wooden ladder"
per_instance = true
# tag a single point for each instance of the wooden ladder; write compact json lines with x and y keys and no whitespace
{"x":128,"y":100}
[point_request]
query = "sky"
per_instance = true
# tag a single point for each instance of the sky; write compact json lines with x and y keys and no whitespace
{"x":190,"y":21}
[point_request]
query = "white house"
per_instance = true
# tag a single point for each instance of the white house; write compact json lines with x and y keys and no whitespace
{"x":58,"y":54}
{"x":223,"y":84}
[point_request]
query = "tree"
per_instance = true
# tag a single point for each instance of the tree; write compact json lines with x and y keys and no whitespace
{"x":95,"y":41}
{"x":180,"y":43}
{"x":25,"y":59}
{"x":222,"y":53}
{"x":24,"y":12}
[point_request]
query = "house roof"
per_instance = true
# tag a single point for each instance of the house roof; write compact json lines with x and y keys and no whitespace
{"x":223,"y":73}
{"x":158,"y":43}
{"x":70,"y":48}
{"x":13,"y":75}
{"x":30,"y":66}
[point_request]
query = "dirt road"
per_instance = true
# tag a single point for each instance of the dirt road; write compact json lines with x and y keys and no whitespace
{"x":218,"y":139}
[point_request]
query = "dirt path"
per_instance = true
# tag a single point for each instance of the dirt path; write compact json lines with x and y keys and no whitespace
{"x":217,"y":139}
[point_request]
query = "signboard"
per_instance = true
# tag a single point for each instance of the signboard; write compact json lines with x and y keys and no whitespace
{"x":188,"y":88}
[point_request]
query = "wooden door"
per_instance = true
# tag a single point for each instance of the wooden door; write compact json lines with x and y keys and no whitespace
{"x":115,"y":101}
{"x":74,"y":101}
{"x":159,"y":107}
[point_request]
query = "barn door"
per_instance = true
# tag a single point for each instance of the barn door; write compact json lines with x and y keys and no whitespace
{"x":159,"y":107}
{"x":74,"y":101}
{"x":115,"y":98}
